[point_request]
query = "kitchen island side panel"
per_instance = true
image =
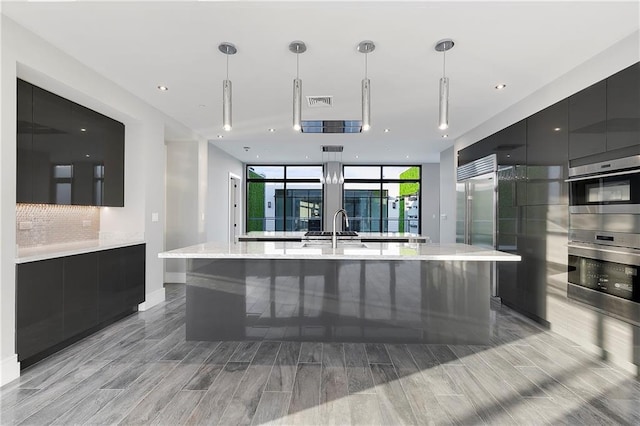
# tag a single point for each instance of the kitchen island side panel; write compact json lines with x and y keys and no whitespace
{"x":338,"y":300}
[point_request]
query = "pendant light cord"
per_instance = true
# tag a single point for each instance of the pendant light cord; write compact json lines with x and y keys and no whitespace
{"x":227,"y":64}
{"x":297,"y":66}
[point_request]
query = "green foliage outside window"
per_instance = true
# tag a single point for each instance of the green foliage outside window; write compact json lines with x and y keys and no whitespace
{"x":255,"y":205}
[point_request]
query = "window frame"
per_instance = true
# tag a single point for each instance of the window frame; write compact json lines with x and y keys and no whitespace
{"x":381,"y":181}
{"x":284,"y":181}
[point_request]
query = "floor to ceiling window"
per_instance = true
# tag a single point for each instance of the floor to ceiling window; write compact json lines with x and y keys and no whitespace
{"x":284,"y":198}
{"x":382,"y":198}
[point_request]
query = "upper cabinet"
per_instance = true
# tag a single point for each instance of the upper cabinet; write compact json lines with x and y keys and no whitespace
{"x":623,"y":108}
{"x":606,"y":116}
{"x":547,"y":136}
{"x":587,"y":121}
{"x":67,"y":154}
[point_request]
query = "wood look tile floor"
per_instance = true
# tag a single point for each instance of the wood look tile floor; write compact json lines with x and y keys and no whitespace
{"x":142,"y":371}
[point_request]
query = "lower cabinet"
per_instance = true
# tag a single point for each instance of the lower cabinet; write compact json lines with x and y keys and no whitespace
{"x":39,"y":306}
{"x":61,"y":300}
{"x":80,"y":293}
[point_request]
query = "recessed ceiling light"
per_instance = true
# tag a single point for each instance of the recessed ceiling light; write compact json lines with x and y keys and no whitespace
{"x":220,"y":136}
{"x":557,"y":129}
{"x":306,"y":156}
{"x":500,"y":86}
{"x":387,"y":130}
{"x":407,"y":156}
{"x":272,"y":130}
{"x":202,"y":106}
{"x":83,"y":130}
{"x":357,"y":156}
{"x":445,"y":136}
{"x":257,"y":156}
{"x":163,"y":88}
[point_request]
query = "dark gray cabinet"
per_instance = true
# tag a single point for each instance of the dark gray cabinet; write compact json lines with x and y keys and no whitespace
{"x":623,"y":108}
{"x":80,"y":293}
{"x":61,"y":300}
{"x":510,"y":144}
{"x":67,"y":154}
{"x":121,"y":280}
{"x":587,"y":121}
{"x":39,"y":306}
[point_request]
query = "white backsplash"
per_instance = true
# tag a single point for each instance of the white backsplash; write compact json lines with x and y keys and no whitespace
{"x":45,"y":224}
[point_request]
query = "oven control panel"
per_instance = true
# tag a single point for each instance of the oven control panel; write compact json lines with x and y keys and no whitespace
{"x":608,"y":277}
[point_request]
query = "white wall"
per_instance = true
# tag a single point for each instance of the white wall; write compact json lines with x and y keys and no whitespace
{"x":185,"y":201}
{"x":27,"y":56}
{"x":430,"y":186}
{"x":217,"y":211}
{"x":448,"y":196}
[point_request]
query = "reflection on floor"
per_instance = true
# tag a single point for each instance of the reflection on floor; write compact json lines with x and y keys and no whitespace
{"x":142,"y":371}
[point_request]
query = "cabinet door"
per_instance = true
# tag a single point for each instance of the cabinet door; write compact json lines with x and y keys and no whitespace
{"x":511,"y":144}
{"x":587,"y":121}
{"x":113,"y":147}
{"x":134,"y":261}
{"x":24,"y":182}
{"x":98,"y":159}
{"x":111,"y":284}
{"x":623,"y":108}
{"x":478,"y":150}
{"x":52,"y":163}
{"x":80,"y":293}
{"x":39,"y":306}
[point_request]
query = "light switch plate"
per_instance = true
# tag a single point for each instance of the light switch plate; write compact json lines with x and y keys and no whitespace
{"x":154,"y":217}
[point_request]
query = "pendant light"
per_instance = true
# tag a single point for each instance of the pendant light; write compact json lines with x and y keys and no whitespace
{"x":227,"y":49}
{"x":366,"y":47}
{"x":443,"y":105}
{"x":297,"y":47}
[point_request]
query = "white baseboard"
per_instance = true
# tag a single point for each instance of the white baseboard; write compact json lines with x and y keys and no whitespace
{"x":9,"y":369}
{"x":152,"y":299}
{"x":175,"y":277}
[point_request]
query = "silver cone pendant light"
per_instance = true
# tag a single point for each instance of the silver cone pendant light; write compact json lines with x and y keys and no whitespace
{"x":297,"y":47}
{"x":366,"y":47}
{"x":227,"y":49}
{"x":443,"y":105}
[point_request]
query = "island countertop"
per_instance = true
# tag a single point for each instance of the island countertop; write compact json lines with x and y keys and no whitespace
{"x":345,"y":251}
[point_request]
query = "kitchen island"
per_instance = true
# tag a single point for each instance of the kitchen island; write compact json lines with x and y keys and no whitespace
{"x":358,"y":292}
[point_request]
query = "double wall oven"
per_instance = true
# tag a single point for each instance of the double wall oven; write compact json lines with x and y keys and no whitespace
{"x":604,"y":237}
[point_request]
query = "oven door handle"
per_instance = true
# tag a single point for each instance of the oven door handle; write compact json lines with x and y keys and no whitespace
{"x":603,"y":175}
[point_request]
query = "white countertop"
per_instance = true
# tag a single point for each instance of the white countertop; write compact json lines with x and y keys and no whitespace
{"x":51,"y":251}
{"x":345,"y":251}
{"x":299,"y":235}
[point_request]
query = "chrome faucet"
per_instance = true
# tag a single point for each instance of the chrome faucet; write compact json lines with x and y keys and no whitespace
{"x":334,"y":234}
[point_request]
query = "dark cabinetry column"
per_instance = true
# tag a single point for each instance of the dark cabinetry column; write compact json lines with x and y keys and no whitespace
{"x":39,"y":306}
{"x":24,"y":178}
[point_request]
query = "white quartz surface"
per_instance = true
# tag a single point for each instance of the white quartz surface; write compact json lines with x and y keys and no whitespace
{"x":345,"y":251}
{"x":32,"y":254}
{"x":299,"y":235}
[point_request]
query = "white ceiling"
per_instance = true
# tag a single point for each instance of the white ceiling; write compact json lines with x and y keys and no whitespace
{"x":140,"y":45}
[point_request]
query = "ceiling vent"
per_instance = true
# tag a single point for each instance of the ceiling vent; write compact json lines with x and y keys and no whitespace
{"x":320,"y":101}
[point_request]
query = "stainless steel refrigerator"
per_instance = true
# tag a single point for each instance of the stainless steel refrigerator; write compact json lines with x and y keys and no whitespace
{"x":477,"y":206}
